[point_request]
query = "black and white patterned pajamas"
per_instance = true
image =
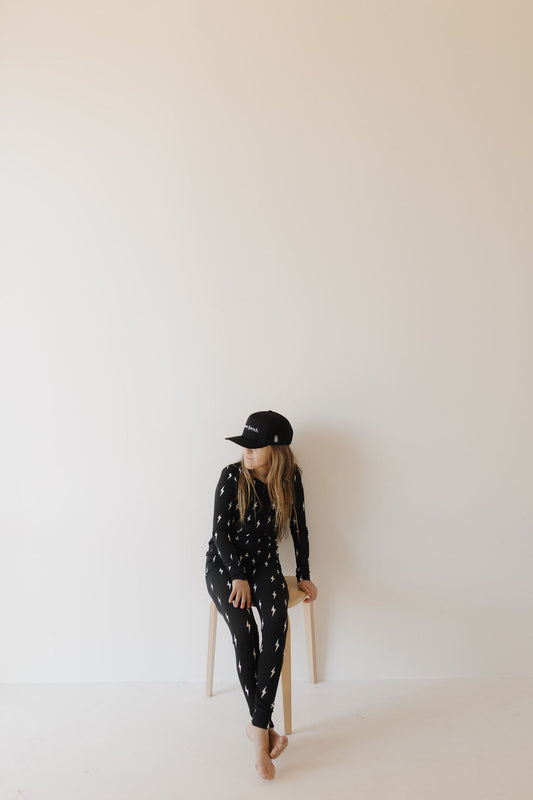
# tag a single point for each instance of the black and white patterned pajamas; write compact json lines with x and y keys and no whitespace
{"x":249,"y":551}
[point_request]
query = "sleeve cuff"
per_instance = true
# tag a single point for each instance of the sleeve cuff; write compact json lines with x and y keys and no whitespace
{"x":238,"y":575}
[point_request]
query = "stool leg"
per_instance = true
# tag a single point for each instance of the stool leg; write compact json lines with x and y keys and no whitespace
{"x":309,"y":621}
{"x":211,"y":640}
{"x":286,"y":682}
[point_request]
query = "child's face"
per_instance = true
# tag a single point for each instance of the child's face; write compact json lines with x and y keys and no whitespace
{"x":255,"y":458}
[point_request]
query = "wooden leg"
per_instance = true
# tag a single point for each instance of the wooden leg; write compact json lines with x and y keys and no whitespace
{"x":309,"y":621}
{"x":211,"y":640}
{"x":286,"y":682}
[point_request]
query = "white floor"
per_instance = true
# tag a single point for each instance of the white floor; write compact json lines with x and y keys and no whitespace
{"x":389,"y":740}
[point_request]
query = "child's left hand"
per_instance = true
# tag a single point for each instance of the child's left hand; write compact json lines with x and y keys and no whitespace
{"x":310,"y":589}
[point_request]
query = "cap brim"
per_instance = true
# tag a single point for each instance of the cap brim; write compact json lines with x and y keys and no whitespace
{"x":244,"y":442}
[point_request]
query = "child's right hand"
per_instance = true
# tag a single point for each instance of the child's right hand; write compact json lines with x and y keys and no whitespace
{"x":240,"y":593}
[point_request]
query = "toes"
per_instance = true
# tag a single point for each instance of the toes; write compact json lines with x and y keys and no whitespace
{"x":266,"y":772}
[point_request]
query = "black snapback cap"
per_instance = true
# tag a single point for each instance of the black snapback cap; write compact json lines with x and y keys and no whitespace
{"x":263,"y":428}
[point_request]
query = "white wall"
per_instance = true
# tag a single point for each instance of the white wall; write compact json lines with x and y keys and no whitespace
{"x":212,"y":208}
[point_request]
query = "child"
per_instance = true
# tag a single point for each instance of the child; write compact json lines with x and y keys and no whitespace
{"x":257,"y":501}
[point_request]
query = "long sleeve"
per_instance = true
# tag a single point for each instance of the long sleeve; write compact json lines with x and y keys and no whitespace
{"x":299,"y":530}
{"x":225,"y":512}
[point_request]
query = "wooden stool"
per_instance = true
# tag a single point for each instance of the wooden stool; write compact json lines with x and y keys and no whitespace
{"x":295,"y":596}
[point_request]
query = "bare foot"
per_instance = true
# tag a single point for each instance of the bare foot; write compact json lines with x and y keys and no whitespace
{"x":263,"y":762}
{"x":277,"y":743}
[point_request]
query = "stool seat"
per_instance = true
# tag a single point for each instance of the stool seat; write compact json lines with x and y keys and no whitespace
{"x":296,"y":596}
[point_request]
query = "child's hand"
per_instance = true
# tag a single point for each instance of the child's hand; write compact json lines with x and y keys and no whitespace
{"x":310,"y":589}
{"x":241,"y":592}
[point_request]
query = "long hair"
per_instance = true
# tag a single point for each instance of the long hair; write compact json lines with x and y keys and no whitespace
{"x":280,"y":486}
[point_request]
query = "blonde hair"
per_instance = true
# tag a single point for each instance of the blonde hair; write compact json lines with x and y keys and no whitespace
{"x":280,"y":487}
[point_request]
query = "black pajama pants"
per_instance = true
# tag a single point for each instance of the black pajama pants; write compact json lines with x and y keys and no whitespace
{"x":258,"y":663}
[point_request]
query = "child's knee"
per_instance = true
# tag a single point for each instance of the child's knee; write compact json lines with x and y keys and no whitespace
{"x":275,"y":625}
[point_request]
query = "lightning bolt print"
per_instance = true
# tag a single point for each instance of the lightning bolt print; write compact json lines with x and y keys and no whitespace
{"x":235,"y":547}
